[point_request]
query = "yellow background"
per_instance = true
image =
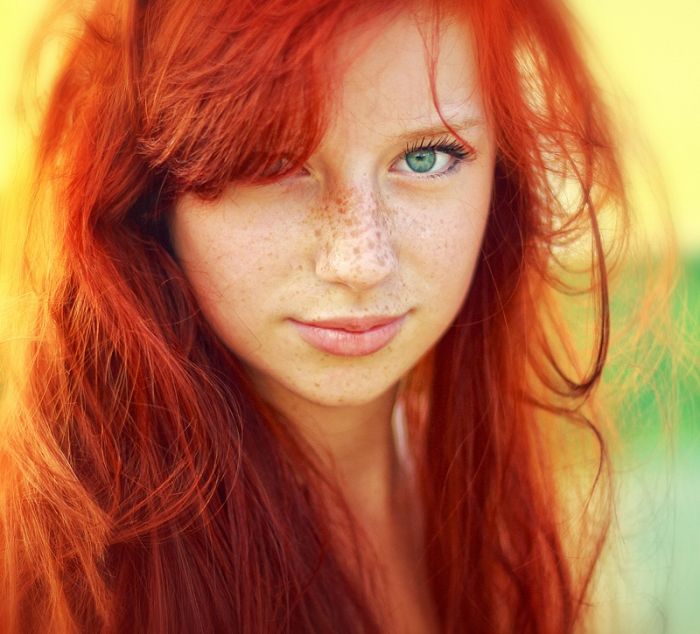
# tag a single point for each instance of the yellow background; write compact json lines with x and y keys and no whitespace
{"x":651,"y":51}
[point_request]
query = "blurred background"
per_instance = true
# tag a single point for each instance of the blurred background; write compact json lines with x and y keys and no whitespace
{"x":647,"y":58}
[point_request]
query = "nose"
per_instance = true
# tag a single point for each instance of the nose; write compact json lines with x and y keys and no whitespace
{"x":355,"y":247}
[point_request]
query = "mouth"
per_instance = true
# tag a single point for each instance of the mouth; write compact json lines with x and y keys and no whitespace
{"x":350,"y":337}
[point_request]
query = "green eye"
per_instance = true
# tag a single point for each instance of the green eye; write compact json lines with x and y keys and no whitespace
{"x":421,"y":160}
{"x":432,"y":158}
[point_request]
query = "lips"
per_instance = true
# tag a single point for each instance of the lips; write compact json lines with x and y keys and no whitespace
{"x":354,"y":324}
{"x":352,"y":336}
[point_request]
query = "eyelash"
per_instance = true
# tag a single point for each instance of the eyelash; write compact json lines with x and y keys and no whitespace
{"x":446,"y":144}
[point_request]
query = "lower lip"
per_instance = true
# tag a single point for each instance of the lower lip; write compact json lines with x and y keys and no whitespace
{"x":346,"y":343}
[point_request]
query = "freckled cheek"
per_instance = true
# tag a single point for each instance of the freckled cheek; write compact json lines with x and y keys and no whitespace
{"x":446,"y":241}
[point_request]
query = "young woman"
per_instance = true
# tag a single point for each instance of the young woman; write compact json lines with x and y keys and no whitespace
{"x":296,"y":365}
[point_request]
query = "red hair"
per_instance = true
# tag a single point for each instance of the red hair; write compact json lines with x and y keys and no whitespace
{"x":147,"y":486}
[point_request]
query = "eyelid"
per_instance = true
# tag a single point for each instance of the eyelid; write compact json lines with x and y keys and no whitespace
{"x":443,"y":143}
{"x":459,"y":151}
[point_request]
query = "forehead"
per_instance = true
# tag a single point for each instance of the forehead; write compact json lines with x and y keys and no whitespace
{"x":386,"y":74}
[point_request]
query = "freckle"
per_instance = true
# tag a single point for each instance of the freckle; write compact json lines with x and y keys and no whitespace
{"x":356,"y":251}
{"x":317,"y":233}
{"x":370,"y":244}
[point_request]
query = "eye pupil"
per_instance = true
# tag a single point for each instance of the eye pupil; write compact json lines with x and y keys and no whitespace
{"x":421,"y":160}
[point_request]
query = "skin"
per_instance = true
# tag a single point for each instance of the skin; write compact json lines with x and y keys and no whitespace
{"x":355,"y":233}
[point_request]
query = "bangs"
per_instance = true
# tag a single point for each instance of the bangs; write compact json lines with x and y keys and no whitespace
{"x":228,"y":92}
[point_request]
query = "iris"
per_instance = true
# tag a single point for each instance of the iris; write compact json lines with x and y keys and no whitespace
{"x":421,"y":160}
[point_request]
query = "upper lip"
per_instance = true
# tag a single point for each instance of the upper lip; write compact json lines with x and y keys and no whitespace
{"x":352,"y":324}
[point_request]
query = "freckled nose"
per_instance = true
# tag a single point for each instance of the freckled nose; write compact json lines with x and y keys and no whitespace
{"x":355,"y":246}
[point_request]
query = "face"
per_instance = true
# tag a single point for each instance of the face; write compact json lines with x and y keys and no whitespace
{"x":331,"y":284}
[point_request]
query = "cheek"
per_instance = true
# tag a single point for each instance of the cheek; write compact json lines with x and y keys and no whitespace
{"x":444,"y":246}
{"x":222,"y":254}
{"x":216,"y":265}
{"x":457,"y":262}
{"x":238,"y":264}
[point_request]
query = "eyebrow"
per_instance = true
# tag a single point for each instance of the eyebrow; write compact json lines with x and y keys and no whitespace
{"x":459,"y":125}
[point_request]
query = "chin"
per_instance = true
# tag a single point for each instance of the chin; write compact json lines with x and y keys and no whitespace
{"x":328,"y":395}
{"x":330,"y":387}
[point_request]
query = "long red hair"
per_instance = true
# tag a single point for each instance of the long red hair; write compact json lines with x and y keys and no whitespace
{"x":146,"y":486}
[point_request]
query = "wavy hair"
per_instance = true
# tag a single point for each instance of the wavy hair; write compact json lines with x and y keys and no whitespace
{"x":146,"y":485}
